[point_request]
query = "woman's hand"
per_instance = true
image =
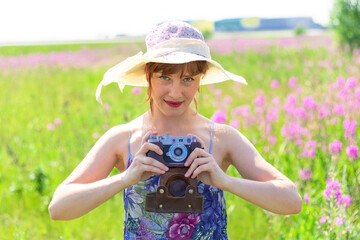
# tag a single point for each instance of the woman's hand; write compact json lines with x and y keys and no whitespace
{"x":143,"y":167}
{"x":204,"y":166}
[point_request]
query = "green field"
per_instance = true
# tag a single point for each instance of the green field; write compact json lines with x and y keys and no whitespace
{"x":50,"y":120}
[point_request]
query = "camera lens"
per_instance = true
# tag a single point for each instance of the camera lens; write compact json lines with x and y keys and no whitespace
{"x":177,"y":187}
{"x":178,"y":151}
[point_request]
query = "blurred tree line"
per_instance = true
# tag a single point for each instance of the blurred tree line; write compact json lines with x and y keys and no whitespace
{"x":345,"y":20}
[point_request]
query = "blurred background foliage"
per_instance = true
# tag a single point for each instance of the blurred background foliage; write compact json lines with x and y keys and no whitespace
{"x":345,"y":20}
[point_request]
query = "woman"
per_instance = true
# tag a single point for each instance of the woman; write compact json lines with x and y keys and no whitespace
{"x":177,"y":62}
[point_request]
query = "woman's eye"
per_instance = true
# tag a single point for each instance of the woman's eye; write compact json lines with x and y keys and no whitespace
{"x":164,"y":78}
{"x":188,"y":79}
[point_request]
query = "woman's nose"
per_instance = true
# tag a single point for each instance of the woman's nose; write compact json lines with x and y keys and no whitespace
{"x":175,"y":91}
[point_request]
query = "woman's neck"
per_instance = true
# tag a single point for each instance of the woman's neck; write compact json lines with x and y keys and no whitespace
{"x":175,"y":125}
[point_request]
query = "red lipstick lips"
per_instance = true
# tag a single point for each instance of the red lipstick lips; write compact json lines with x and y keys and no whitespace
{"x":173,"y":104}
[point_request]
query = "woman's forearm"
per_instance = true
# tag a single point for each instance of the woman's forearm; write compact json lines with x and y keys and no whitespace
{"x":73,"y":200}
{"x":277,"y":196}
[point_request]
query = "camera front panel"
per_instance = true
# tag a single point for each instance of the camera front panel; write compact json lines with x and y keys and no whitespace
{"x":176,"y":154}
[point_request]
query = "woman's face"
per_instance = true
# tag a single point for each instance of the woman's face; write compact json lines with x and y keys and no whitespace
{"x":172,"y":94}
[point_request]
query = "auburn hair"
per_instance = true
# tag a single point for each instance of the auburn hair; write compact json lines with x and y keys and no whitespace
{"x":192,"y":68}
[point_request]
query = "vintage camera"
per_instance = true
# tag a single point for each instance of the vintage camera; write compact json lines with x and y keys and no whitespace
{"x":176,"y":193}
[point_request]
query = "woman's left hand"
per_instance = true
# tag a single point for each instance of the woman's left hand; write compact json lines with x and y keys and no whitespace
{"x":204,"y":166}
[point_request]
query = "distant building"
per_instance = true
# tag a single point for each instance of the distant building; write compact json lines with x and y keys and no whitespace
{"x":265,"y":24}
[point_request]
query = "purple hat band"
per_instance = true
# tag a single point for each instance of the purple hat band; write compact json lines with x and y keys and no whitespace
{"x":175,"y":45}
{"x":172,"y":30}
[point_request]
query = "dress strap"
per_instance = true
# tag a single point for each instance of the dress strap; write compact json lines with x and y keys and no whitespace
{"x":211,"y":135}
{"x":129,"y":143}
{"x":129,"y":153}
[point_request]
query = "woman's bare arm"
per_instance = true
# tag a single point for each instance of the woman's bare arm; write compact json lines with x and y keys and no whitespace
{"x":262,"y":184}
{"x":88,"y":186}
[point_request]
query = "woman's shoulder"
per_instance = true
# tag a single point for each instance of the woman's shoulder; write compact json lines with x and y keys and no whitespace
{"x":117,"y":137}
{"x":227,"y":135}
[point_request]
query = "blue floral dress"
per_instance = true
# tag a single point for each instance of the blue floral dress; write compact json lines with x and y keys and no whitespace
{"x":140,"y":224}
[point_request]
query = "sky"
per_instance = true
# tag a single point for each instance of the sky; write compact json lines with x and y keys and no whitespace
{"x":64,"y":20}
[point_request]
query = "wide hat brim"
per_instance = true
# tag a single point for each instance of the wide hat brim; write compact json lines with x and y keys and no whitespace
{"x":131,"y":70}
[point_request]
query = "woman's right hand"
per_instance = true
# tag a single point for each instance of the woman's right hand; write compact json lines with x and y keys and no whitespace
{"x":142,"y":166}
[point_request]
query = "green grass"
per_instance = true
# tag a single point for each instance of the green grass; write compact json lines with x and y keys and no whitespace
{"x":28,"y":49}
{"x":34,"y":160}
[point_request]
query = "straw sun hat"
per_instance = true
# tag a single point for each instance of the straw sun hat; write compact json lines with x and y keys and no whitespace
{"x":170,"y":42}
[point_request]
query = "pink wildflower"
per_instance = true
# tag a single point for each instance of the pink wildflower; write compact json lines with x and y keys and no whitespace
{"x":50,"y":126}
{"x":357,"y":95}
{"x":276,"y":101}
{"x":324,"y":112}
{"x":272,"y":139}
{"x":260,"y":100}
{"x":346,"y":200}
{"x":292,"y":82}
{"x":340,"y":82}
{"x":335,"y":147}
{"x":272,"y":115}
{"x":227,"y":100}
{"x":344,"y":94}
{"x":323,"y":219}
{"x":300,"y":112}
{"x":305,"y":174}
{"x":259,"y":111}
{"x":339,"y":110}
{"x":96,"y":135}
{"x":339,"y":221}
{"x":211,"y":87}
{"x":311,"y":144}
{"x":332,"y":86}
{"x":351,"y":82}
{"x":334,"y":120}
{"x":350,"y":128}
{"x":275,"y":84}
{"x":290,"y":103}
{"x":57,"y":122}
{"x":218,"y":92}
{"x":219,"y":117}
{"x":243,"y":111}
{"x":268,"y":129}
{"x":323,"y":147}
{"x":352,"y":152}
{"x":332,"y":189}
{"x":309,"y":103}
{"x":306,"y":198}
{"x":235,"y":124}
{"x":136,"y":90}
{"x":293,"y":131}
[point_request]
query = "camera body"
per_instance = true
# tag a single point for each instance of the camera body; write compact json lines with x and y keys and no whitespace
{"x":175,"y":149}
{"x":176,"y":193}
